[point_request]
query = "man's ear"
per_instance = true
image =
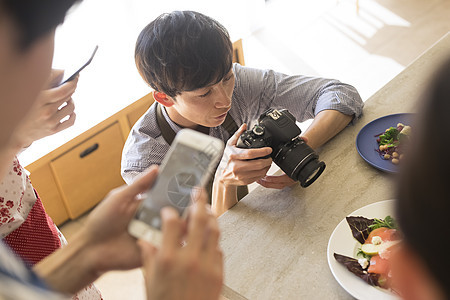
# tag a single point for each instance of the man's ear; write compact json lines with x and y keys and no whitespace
{"x":163,"y":99}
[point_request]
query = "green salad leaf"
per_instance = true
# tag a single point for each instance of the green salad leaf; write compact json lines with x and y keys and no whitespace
{"x":389,"y":136}
{"x":388,"y":222}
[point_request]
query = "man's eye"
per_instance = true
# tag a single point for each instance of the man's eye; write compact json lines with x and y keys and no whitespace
{"x":206,"y":94}
{"x":228,"y":78}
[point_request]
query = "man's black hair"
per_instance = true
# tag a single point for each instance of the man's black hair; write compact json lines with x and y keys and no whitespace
{"x":183,"y":51}
{"x":35,"y":18}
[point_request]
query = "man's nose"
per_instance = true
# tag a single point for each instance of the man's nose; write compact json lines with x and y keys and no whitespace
{"x":223,"y":98}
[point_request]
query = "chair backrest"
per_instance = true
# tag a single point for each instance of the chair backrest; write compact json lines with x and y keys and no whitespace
{"x":238,"y":52}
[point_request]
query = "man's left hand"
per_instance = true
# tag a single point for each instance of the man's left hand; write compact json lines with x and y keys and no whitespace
{"x":276,"y":181}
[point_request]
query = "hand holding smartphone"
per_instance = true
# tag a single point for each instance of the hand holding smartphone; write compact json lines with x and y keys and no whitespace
{"x":188,"y":164}
{"x":70,"y":74}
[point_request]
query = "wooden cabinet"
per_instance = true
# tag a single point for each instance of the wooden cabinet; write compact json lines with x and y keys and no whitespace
{"x":76,"y":176}
{"x":88,"y":171}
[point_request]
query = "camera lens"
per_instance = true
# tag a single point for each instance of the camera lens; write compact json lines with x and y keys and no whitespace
{"x":310,"y":172}
{"x":299,"y":162}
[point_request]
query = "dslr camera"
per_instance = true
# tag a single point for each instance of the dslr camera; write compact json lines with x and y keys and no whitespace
{"x":277,"y":129}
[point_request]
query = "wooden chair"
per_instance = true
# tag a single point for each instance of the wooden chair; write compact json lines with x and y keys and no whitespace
{"x":238,"y":52}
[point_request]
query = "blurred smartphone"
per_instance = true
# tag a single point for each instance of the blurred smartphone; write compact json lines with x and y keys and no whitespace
{"x":189,"y":163}
{"x":71,"y":74}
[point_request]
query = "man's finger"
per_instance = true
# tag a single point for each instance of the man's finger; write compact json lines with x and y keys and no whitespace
{"x":212,"y":240}
{"x":143,"y":182}
{"x":279,"y":179}
{"x":148,"y":255}
{"x":276,"y":182}
{"x":55,"y":78}
{"x":246,"y":154}
{"x":66,"y":123}
{"x":197,"y":226}
{"x":172,"y":229}
{"x":234,"y":138}
{"x":63,"y":112}
{"x":59,"y":93}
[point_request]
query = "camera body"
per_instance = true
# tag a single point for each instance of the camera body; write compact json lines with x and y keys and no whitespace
{"x":277,"y":129}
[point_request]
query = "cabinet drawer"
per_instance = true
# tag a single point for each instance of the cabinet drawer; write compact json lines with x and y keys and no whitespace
{"x":87,"y":172}
{"x":44,"y":183}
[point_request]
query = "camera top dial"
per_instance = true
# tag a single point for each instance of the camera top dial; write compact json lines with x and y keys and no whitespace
{"x":258,"y":130}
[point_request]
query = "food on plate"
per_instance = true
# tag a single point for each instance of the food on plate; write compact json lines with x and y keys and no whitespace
{"x":391,"y":143}
{"x":378,"y":238}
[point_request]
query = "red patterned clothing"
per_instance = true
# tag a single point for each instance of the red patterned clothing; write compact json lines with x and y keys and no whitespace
{"x":36,"y":238}
{"x":26,"y":227}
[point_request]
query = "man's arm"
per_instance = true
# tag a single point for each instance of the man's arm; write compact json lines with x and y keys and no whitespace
{"x":325,"y":125}
{"x":331,"y":103}
{"x":237,"y":167}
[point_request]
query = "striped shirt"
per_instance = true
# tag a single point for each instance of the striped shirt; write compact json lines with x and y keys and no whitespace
{"x":254,"y":92}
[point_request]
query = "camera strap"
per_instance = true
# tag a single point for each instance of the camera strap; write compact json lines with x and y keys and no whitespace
{"x":169,"y":135}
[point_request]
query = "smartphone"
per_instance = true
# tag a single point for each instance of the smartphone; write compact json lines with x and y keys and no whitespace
{"x":70,"y":74}
{"x":189,"y":163}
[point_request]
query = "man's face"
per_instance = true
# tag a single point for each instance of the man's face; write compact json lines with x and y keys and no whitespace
{"x":206,"y":106}
{"x":22,"y":75}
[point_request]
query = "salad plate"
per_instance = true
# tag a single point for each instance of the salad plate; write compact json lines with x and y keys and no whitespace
{"x":342,"y":242}
{"x":366,"y":140}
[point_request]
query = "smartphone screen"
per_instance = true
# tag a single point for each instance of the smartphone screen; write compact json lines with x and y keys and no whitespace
{"x":185,"y":168}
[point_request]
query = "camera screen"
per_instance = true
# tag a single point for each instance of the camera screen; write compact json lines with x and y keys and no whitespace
{"x":184,"y":170}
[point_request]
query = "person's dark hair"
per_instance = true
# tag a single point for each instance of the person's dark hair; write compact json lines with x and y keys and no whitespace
{"x":35,"y":18}
{"x":423,"y":206}
{"x":183,"y":51}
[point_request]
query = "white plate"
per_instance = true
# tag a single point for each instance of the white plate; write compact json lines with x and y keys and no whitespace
{"x":343,"y":242}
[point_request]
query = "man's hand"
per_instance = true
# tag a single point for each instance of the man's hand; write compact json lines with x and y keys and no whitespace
{"x":193,"y":271}
{"x":106,"y":228}
{"x":102,"y":244}
{"x":276,"y":181}
{"x":52,"y":112}
{"x":242,"y":166}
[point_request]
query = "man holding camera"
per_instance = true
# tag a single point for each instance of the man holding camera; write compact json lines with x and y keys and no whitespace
{"x":186,"y":57}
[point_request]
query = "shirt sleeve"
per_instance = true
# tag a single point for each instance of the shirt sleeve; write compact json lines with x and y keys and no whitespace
{"x":303,"y":96}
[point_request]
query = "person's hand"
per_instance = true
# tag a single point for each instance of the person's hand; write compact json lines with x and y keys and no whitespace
{"x":276,"y":181}
{"x":102,"y":244}
{"x":52,"y":111}
{"x":193,"y":271}
{"x":242,"y":166}
{"x":106,"y":228}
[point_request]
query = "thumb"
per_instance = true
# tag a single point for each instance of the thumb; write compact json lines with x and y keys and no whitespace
{"x":55,"y":78}
{"x":143,"y":182}
{"x":148,"y":257}
{"x":233,"y":140}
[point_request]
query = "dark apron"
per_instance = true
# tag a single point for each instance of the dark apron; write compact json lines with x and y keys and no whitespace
{"x":169,"y":135}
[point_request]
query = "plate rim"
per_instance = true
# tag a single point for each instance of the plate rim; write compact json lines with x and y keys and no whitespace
{"x":358,"y":136}
{"x":375,"y":293}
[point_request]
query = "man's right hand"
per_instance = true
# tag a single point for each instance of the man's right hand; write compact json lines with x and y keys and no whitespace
{"x":242,"y":166}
